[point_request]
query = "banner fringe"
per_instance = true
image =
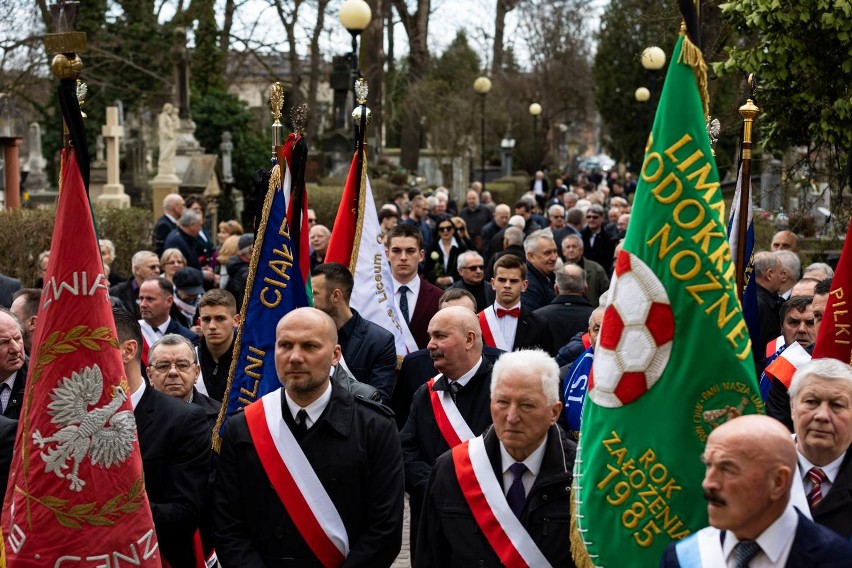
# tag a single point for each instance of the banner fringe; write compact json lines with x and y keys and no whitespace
{"x":691,"y":55}
{"x":578,"y":546}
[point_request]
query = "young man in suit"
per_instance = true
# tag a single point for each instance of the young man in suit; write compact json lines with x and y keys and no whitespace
{"x":507,"y":324}
{"x":174,"y":439}
{"x":416,"y":300}
{"x":155,"y":303}
{"x":750,"y":464}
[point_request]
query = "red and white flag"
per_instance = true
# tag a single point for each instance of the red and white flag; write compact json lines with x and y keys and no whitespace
{"x":357,"y":242}
{"x":76,"y":492}
{"x":787,"y":363}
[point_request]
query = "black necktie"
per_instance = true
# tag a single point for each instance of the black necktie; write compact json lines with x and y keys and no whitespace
{"x":745,"y":551}
{"x":516,"y":497}
{"x":454,"y":388}
{"x":301,"y":423}
{"x":403,"y":302}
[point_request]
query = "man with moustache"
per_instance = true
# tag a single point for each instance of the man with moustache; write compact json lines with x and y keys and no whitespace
{"x":450,"y":408}
{"x":750,"y":463}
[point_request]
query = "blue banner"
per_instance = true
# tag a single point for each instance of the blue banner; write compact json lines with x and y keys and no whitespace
{"x":574,"y":388}
{"x":275,"y":286}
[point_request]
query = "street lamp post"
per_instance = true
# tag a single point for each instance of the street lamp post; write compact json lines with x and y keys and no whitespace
{"x":535,"y":111}
{"x":355,"y":16}
{"x":653,"y":59}
{"x":482,"y":86}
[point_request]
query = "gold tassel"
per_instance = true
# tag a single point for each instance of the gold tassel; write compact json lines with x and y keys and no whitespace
{"x":692,"y":56}
{"x":578,"y":546}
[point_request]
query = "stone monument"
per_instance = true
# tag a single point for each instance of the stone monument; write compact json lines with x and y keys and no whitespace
{"x":113,"y":194}
{"x":166,"y":181}
{"x":36,"y":180}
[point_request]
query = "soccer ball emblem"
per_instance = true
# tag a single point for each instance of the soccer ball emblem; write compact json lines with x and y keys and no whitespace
{"x":636,"y":335}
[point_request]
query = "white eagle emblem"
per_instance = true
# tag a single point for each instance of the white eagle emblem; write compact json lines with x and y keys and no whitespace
{"x":103,"y":434}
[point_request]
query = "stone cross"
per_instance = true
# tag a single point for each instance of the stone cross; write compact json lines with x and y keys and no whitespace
{"x":227,"y":147}
{"x":113,"y":192}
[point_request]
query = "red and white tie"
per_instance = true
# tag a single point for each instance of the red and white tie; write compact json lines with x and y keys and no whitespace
{"x":817,"y":477}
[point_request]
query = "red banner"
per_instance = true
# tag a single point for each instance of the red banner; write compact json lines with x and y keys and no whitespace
{"x":76,"y":492}
{"x":835,"y":333}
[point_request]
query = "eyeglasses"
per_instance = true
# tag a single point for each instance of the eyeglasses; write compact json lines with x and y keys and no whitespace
{"x":181,"y":366}
{"x":593,"y":216}
{"x":445,"y":229}
{"x":474,"y":268}
{"x":175,"y":261}
{"x":557,"y":216}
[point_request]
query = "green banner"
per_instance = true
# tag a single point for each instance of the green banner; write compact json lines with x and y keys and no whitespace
{"x":673,"y":358}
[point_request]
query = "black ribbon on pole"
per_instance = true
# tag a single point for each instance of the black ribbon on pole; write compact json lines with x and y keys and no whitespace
{"x":297,"y":190}
{"x":692,"y":18}
{"x":73,"y":117}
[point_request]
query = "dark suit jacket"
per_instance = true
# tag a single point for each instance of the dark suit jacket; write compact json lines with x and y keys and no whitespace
{"x":16,"y":398}
{"x":533,"y":333}
{"x":175,"y":327}
{"x":417,"y":368}
{"x":478,"y":291}
{"x":426,"y":307}
{"x":835,"y":509}
{"x":370,"y":353}
{"x":8,"y":287}
{"x":540,"y":290}
{"x":127,"y":292}
{"x":452,"y":262}
{"x":813,"y":545}
{"x":208,"y":405}
{"x":602,"y":250}
{"x":565,"y":316}
{"x":422,"y":441}
{"x":162,"y":229}
{"x":186,"y":244}
{"x":174,"y":438}
{"x":8,"y":430}
{"x":449,"y":536}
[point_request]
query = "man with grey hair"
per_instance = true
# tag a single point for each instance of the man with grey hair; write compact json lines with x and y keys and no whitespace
{"x":568,"y":313}
{"x":522,"y":468}
{"x":596,"y":277}
{"x":541,"y":256}
{"x":767,"y":274}
{"x":791,"y":266}
{"x":472,"y":272}
{"x":144,"y":265}
{"x":184,"y":237}
{"x":818,"y":270}
{"x":502,"y":212}
{"x":173,"y":207}
{"x":556,"y":216}
{"x":513,"y":244}
{"x":821,"y":405}
{"x":14,"y":364}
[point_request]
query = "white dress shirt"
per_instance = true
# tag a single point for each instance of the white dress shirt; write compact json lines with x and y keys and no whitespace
{"x":314,"y":409}
{"x":533,"y":463}
{"x":136,"y":396}
{"x":507,"y":324}
{"x":151,"y":334}
{"x":413,"y":293}
{"x":831,"y":470}
{"x":775,"y":542}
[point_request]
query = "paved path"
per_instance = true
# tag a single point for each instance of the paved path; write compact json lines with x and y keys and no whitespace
{"x":404,"y":558}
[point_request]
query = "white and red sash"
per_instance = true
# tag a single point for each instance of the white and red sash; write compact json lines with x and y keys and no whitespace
{"x":295,"y":481}
{"x":491,"y":334}
{"x":774,"y":345}
{"x":484,"y":495}
{"x":450,"y":422}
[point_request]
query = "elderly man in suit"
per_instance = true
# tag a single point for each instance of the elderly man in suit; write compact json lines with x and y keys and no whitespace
{"x":174,"y":439}
{"x":173,"y":206}
{"x":821,"y":404}
{"x":523,"y":464}
{"x":750,"y":466}
{"x":416,"y":300}
{"x":13,"y":365}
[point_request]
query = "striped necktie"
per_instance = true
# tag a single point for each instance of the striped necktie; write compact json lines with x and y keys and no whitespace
{"x":817,"y":477}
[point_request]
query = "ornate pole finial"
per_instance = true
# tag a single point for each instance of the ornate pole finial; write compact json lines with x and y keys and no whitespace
{"x":299,"y":118}
{"x":82,"y":90}
{"x":714,"y":128}
{"x":361,"y":91}
{"x":276,"y":103}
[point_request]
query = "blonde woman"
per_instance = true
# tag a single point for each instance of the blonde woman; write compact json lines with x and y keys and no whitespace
{"x":228,"y":248}
{"x":171,"y":261}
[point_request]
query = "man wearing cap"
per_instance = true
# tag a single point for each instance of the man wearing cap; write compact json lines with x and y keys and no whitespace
{"x":238,"y":268}
{"x":189,"y":286}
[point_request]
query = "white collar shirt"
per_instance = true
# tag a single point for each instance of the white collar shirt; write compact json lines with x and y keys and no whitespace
{"x":314,"y":409}
{"x":508,"y":325}
{"x":775,"y":542}
{"x":533,"y":463}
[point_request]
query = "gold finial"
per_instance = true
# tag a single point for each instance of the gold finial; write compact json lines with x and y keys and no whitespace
{"x":299,"y":118}
{"x":82,"y":89}
{"x":276,"y":103}
{"x":749,"y":112}
{"x":361,"y":91}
